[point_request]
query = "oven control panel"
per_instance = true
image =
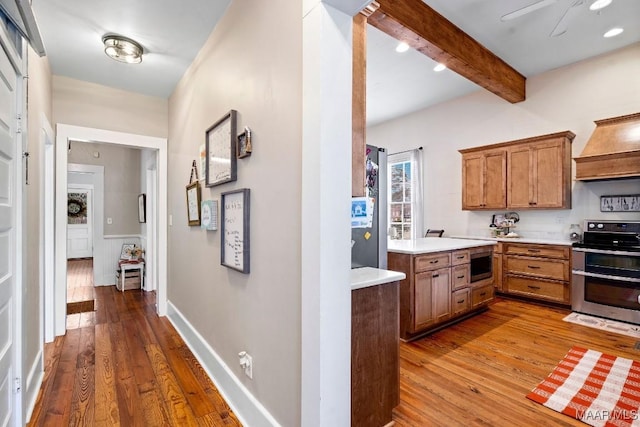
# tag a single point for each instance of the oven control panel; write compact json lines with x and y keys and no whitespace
{"x":612,"y":226}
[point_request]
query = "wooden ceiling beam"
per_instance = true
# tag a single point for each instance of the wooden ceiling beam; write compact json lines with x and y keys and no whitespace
{"x":425,"y":30}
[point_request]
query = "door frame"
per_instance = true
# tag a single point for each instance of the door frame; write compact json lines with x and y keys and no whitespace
{"x":47,"y":241}
{"x":90,"y":190}
{"x":66,"y":133}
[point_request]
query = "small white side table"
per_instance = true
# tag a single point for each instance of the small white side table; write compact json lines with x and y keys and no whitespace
{"x":129,"y":266}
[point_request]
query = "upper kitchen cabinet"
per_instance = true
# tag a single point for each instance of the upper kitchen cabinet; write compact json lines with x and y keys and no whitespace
{"x":484,"y":175}
{"x":537,"y":174}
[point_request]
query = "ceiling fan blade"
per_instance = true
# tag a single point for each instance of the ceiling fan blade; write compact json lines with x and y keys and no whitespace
{"x":563,"y":24}
{"x":527,"y":9}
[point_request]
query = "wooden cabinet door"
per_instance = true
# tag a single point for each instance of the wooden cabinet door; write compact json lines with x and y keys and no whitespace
{"x":519,"y":177}
{"x":441,"y":292}
{"x":423,"y":300}
{"x":472,"y":181}
{"x":495,"y":177}
{"x":548,"y":175}
{"x":497,"y":271}
{"x":483,"y":180}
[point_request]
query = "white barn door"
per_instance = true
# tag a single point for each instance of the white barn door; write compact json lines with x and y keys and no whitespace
{"x":10,"y":252}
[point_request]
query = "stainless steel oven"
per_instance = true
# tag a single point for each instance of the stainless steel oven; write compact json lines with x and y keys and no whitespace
{"x":606,"y":271}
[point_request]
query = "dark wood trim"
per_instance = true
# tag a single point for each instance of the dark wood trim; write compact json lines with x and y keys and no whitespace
{"x":359,"y":105}
{"x":424,"y":29}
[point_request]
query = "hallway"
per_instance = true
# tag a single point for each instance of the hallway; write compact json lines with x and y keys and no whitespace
{"x":80,"y":291}
{"x":126,"y":366}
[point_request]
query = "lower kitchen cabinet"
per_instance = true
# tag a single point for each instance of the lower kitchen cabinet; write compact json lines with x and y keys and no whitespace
{"x":537,"y":271}
{"x":437,"y":290}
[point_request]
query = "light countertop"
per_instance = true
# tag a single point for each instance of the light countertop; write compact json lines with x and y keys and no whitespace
{"x":368,"y":276}
{"x":519,"y":240}
{"x":434,"y":244}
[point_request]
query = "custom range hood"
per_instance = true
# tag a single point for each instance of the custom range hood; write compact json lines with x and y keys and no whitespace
{"x":613,"y":150}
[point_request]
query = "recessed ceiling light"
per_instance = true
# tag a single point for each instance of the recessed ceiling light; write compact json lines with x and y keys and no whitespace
{"x":402,"y":47}
{"x":439,"y":67}
{"x":599,"y":4}
{"x":122,"y":49}
{"x":613,"y":32}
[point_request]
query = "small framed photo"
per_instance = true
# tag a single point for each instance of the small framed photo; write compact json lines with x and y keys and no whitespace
{"x":234,"y":226}
{"x":142,"y":208}
{"x":220,"y":149}
{"x":209,"y":215}
{"x":244,"y":143}
{"x":127,"y":248}
{"x":193,"y":203}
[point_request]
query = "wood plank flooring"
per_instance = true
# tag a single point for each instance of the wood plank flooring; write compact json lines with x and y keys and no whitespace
{"x":80,"y":289}
{"x":122,"y":365}
{"x":477,"y":372}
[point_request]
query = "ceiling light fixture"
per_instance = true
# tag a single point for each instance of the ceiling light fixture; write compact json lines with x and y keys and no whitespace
{"x":613,"y":32}
{"x":599,"y":4}
{"x":402,"y":47}
{"x":439,"y":67}
{"x":122,"y":49}
{"x":527,"y":9}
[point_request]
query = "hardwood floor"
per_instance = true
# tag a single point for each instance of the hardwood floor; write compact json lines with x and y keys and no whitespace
{"x":122,"y":365}
{"x":80,"y":289}
{"x":477,"y":372}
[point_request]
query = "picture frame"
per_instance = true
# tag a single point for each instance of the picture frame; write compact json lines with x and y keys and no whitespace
{"x":234,"y":224}
{"x":142,"y":208}
{"x":220,"y":148}
{"x":620,"y":203}
{"x":193,"y":203}
{"x":209,"y":215}
{"x":125,"y":252}
{"x":244,"y":144}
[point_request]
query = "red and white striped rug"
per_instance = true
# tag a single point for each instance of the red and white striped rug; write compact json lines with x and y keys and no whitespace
{"x":598,"y":389}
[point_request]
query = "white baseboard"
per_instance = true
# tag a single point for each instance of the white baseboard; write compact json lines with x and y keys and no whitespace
{"x":246,"y":407}
{"x":33,"y":384}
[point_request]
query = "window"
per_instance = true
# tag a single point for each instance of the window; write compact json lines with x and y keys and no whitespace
{"x":405,"y":198}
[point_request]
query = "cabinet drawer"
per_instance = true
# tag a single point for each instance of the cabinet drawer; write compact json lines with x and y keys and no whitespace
{"x":554,"y":291}
{"x":431,"y":262}
{"x":481,"y":295}
{"x":539,"y":267}
{"x":460,"y":301}
{"x":460,"y":257}
{"x":460,"y":276}
{"x":546,"y":251}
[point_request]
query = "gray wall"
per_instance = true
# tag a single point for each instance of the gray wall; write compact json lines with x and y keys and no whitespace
{"x":121,"y":182}
{"x":251,"y":63}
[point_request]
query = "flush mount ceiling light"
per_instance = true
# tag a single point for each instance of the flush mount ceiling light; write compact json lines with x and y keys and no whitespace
{"x":439,"y":67}
{"x":599,"y":4}
{"x":122,"y":49}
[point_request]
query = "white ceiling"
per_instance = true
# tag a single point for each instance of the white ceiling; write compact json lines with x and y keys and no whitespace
{"x":172,"y":32}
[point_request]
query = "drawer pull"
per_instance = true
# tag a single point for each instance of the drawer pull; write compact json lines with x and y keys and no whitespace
{"x":533,"y":267}
{"x":483,"y":294}
{"x":535,"y":251}
{"x":433,"y":262}
{"x":533,"y":287}
{"x":460,"y":277}
{"x":436,"y":275}
{"x":460,"y":301}
{"x":460,"y":257}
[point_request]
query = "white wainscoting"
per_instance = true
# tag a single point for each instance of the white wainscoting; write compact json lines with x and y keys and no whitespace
{"x":32,"y":385}
{"x":111,"y":248}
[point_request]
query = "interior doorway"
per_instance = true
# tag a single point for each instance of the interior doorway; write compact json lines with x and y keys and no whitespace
{"x":158,"y":146}
{"x":79,"y":221}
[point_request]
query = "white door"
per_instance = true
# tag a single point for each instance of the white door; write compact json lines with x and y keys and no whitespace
{"x":10,"y":185}
{"x":79,"y":222}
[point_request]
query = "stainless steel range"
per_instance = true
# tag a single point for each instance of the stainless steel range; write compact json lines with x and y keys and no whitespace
{"x":606,"y":270}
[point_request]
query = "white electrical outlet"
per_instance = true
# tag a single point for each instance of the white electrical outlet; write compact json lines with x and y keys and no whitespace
{"x":246,"y":362}
{"x":109,"y":221}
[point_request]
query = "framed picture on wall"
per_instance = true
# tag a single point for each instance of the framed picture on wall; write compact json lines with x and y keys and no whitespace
{"x":193,"y":203}
{"x":142,"y":208}
{"x":220,"y":150}
{"x":234,"y":225}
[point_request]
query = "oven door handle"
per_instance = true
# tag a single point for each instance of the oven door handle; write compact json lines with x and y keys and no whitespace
{"x":606,"y":251}
{"x":605,"y":276}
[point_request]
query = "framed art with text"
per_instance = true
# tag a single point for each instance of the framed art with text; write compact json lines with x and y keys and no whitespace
{"x":220,"y":148}
{"x":193,"y":203}
{"x":234,"y":224}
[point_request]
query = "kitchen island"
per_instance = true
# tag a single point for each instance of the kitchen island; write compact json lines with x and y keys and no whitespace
{"x":375,"y":346}
{"x":446,"y":281}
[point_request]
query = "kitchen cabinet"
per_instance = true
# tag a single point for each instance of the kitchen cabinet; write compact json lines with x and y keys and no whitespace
{"x":497,"y":266}
{"x":537,"y":271}
{"x":438,"y":289}
{"x":484,"y":180}
{"x":537,"y":174}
